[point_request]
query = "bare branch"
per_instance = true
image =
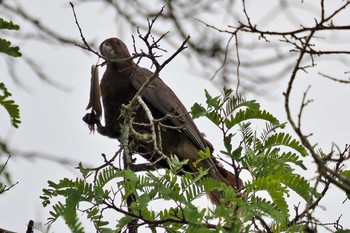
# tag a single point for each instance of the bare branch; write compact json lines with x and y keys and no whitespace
{"x":81,"y":34}
{"x":38,"y":24}
{"x":334,"y":79}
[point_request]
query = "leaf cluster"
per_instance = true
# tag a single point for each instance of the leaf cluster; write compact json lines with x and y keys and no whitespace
{"x":10,"y":105}
{"x":180,"y":214}
{"x":5,"y":45}
{"x":269,"y":158}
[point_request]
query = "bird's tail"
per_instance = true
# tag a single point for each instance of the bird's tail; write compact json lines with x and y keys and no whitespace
{"x":225,"y":176}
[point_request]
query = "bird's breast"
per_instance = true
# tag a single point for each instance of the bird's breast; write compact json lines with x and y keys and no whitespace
{"x":116,"y":90}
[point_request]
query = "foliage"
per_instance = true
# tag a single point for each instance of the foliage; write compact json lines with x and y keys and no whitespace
{"x":5,"y":47}
{"x":301,"y":40}
{"x":270,"y":159}
{"x":10,"y":106}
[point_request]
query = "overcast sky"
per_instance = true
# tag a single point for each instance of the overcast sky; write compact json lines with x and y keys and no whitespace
{"x":51,"y":118}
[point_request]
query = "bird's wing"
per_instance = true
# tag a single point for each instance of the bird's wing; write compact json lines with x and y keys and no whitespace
{"x":161,"y":97}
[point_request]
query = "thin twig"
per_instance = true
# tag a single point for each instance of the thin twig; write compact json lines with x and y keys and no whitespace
{"x":334,"y":79}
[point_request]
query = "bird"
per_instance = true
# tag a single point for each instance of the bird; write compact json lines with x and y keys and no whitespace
{"x":178,"y":135}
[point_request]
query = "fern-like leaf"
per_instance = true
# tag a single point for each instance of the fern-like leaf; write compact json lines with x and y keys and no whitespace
{"x":106,"y":175}
{"x":284,"y":139}
{"x":234,"y":103}
{"x":289,"y":157}
{"x":260,"y":206}
{"x":297,"y":183}
{"x":275,"y":190}
{"x":5,"y":47}
{"x":10,"y":105}
{"x":249,"y":114}
{"x":9,"y":25}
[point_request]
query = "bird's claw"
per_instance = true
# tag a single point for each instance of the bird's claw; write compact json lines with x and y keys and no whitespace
{"x":91,"y":119}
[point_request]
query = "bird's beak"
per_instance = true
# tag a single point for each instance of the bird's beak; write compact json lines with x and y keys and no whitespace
{"x":107,"y":50}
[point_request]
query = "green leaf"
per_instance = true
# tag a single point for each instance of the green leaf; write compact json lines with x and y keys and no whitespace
{"x":236,"y":154}
{"x":84,"y":171}
{"x":234,"y":104}
{"x":5,"y":47}
{"x":343,"y":231}
{"x":287,"y":227}
{"x":262,"y":206}
{"x":8,"y":25}
{"x":285,"y":139}
{"x":10,"y":106}
{"x":175,"y":164}
{"x":227,"y":143}
{"x":275,"y":190}
{"x":143,"y":200}
{"x":212,"y":102}
{"x":249,"y":114}
{"x":192,"y":213}
{"x":297,"y":183}
{"x":346,"y":173}
{"x":215,"y":118}
{"x":198,"y":111}
{"x":290,"y":157}
{"x":123,"y":222}
{"x":106,"y":175}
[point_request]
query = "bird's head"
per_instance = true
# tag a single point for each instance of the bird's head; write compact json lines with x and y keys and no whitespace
{"x":114,"y":49}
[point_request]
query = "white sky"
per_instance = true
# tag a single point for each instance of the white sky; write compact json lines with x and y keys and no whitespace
{"x":51,"y":118}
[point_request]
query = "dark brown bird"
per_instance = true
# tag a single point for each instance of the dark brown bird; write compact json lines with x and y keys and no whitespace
{"x":178,"y":133}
